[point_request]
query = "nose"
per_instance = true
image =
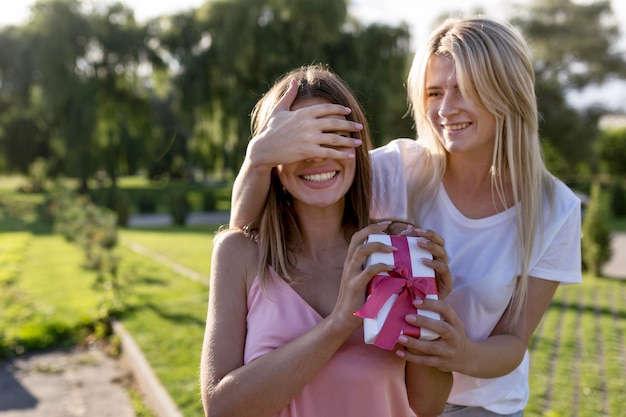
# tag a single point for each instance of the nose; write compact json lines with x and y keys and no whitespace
{"x":448,"y":105}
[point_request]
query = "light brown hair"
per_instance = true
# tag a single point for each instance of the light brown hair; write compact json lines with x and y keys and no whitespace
{"x":278,"y":234}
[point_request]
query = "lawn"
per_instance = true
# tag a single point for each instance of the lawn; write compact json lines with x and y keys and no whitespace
{"x":578,"y":365}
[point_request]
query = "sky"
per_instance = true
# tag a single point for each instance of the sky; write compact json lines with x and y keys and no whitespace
{"x":418,"y":14}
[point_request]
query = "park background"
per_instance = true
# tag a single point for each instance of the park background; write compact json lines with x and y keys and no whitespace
{"x":105,"y":118}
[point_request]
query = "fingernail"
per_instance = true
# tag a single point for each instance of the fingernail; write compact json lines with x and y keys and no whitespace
{"x":358,"y":126}
{"x":410,"y":318}
{"x":384,"y":223}
{"x":403,"y":339}
{"x":418,"y":302}
{"x":357,"y":142}
{"x":401,"y":353}
{"x":348,"y":109}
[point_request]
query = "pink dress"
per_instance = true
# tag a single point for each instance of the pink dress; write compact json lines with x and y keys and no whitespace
{"x":358,"y":381}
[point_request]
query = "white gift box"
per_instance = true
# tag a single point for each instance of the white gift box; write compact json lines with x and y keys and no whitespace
{"x":373,"y":326}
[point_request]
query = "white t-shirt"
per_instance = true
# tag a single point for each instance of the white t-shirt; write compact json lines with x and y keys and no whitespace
{"x":482,"y":256}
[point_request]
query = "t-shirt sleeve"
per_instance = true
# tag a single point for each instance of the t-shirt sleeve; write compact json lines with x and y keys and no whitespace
{"x":559,"y":241}
{"x":389,"y":197}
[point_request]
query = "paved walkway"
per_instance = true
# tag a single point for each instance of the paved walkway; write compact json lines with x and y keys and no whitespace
{"x":616,"y":267}
{"x":65,"y":383}
{"x":164,"y":219}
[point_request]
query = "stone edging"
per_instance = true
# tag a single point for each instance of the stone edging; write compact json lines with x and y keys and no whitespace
{"x":156,"y":396}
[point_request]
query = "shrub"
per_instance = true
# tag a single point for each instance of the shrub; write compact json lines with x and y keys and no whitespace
{"x":208,"y":200}
{"x":618,"y":200}
{"x":94,"y":229}
{"x":180,"y":206}
{"x":147,"y":202}
{"x":596,"y":238}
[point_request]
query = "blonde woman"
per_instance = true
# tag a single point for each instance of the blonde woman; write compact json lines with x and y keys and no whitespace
{"x":476,"y":177}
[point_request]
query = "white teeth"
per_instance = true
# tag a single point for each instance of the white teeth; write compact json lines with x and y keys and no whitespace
{"x":320,"y":177}
{"x":456,"y":126}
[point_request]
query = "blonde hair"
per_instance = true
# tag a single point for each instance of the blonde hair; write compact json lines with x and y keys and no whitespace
{"x":278,"y":233}
{"x":494,"y":68}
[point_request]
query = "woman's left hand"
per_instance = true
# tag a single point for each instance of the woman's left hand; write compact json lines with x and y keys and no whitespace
{"x":450,"y":352}
{"x":434,"y":244}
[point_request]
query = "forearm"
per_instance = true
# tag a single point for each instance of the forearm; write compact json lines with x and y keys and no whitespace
{"x":504,"y":349}
{"x":249,"y":193}
{"x":428,"y":389}
{"x":494,"y":357}
{"x":270,"y":382}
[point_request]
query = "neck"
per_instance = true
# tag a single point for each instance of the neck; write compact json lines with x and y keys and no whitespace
{"x":471,"y":175}
{"x":322,"y":232}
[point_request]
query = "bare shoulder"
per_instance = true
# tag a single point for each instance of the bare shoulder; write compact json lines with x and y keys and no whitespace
{"x":234,"y":250}
{"x":233,"y":237}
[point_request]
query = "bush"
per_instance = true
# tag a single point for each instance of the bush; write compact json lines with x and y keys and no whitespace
{"x":147,"y":202}
{"x":596,"y":238}
{"x":618,"y":200}
{"x":180,"y":206}
{"x":208,"y":200}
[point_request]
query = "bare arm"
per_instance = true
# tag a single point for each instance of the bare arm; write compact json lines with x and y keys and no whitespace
{"x":288,"y":136}
{"x":495,"y":356}
{"x":428,"y":389}
{"x":268,"y":383}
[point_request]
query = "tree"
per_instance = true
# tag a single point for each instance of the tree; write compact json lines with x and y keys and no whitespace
{"x":596,"y":237}
{"x":612,"y":150}
{"x":572,"y":46}
{"x":227,"y":54}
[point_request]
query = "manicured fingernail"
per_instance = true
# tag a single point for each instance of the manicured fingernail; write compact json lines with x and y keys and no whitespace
{"x":351,"y":156}
{"x":401,"y":353}
{"x":348,"y":110}
{"x":358,"y":126}
{"x":357,"y":142}
{"x":403,"y":339}
{"x":418,"y":302}
{"x":384,"y":223}
{"x":410,"y":318}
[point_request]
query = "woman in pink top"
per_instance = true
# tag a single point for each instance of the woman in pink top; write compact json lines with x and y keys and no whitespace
{"x":281,"y":336}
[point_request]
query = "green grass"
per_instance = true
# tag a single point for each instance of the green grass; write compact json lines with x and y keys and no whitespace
{"x":577,"y":355}
{"x":45,"y":293}
{"x":190,"y":246}
{"x":165,"y":313}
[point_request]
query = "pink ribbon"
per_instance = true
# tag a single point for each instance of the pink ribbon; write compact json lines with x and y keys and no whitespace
{"x":399,"y":281}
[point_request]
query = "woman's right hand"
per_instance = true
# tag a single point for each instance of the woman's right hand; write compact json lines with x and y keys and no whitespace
{"x":355,"y":278}
{"x":291,"y":136}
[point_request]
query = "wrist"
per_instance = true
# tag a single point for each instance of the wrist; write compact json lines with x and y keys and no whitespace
{"x":257,"y":159}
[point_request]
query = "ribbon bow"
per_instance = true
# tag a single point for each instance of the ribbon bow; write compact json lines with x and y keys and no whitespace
{"x":407,"y":287}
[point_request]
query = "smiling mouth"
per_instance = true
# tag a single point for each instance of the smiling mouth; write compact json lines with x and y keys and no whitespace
{"x":457,"y":126}
{"x":320,"y":177}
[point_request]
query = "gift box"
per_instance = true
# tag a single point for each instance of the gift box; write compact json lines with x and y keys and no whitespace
{"x":390,"y":295}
